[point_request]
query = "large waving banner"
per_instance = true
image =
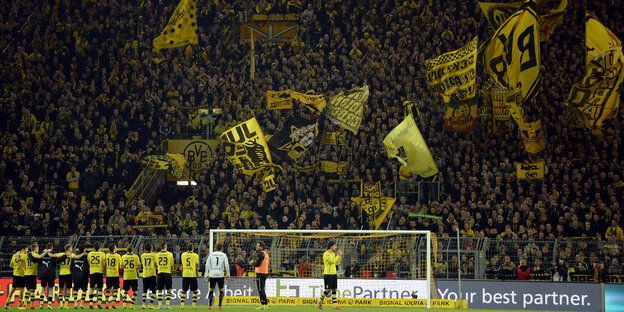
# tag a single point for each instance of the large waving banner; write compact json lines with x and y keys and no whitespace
{"x":181,"y":29}
{"x":347,"y":109}
{"x":375,"y":205}
{"x":246,"y":147}
{"x":532,"y":171}
{"x":454,"y":74}
{"x":461,"y":116}
{"x":512,"y":56}
{"x":595,"y":101}
{"x":293,"y":141}
{"x":497,"y":13}
{"x":406,"y":144}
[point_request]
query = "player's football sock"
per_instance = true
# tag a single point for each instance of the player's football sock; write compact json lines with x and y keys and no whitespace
{"x":41,"y":298}
{"x":159,"y":300}
{"x":133,"y":302}
{"x":182,"y":299}
{"x":194,"y":298}
{"x":210,"y":297}
{"x":221,"y":295}
{"x":169,"y":297}
{"x":334,"y":299}
{"x":50,"y":300}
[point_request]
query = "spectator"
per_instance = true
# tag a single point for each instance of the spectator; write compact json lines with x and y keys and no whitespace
{"x":305,"y":268}
{"x":615,"y":230}
{"x":508,"y":269}
{"x":353,"y":269}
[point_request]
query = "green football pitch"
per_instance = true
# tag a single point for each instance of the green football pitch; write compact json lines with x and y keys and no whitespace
{"x":248,"y":308}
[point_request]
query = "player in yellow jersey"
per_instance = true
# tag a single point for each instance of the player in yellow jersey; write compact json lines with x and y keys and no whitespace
{"x":164,"y":262}
{"x":331,"y":258}
{"x":113,"y":266}
{"x":65,"y":274}
{"x":131,"y":264}
{"x":97,"y":264}
{"x":30,"y":273}
{"x":18,"y":264}
{"x":190,"y":262}
{"x":148,"y":260}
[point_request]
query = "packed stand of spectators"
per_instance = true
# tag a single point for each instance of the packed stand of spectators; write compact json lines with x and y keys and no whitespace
{"x":84,"y":98}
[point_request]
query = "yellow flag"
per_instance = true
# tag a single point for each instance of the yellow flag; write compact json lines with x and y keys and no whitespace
{"x":406,"y":144}
{"x":552,"y":20}
{"x":314,"y":102}
{"x":516,"y":110}
{"x":246,"y":147}
{"x":533,"y":136}
{"x":375,"y":205}
{"x":453,"y":74}
{"x":499,"y":103}
{"x":333,"y":138}
{"x":512,"y":56}
{"x":347,"y":109}
{"x":532,"y":171}
{"x":173,"y":163}
{"x":595,"y":100}
{"x":181,"y":29}
{"x":279,"y":99}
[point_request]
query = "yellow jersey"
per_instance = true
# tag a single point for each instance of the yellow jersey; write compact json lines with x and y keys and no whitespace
{"x":148,"y":260}
{"x":113,"y":264}
{"x":96,"y":261}
{"x":330,"y":260}
{"x":66,"y":264}
{"x":164,"y":261}
{"x":31,"y":266}
{"x":130,"y":265}
{"x":19,"y":264}
{"x":190,"y":261}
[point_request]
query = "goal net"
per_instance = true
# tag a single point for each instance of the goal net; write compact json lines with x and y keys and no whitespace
{"x":375,"y":264}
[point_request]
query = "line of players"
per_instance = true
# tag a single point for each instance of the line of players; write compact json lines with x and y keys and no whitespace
{"x":81,"y":270}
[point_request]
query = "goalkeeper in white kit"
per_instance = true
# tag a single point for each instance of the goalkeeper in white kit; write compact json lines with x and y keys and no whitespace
{"x":217,"y":267}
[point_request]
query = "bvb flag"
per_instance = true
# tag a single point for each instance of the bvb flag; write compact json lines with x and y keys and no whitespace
{"x":181,"y":29}
{"x":532,"y":171}
{"x":406,"y":144}
{"x":454,"y":74}
{"x":347,"y":109}
{"x":533,"y":136}
{"x":279,"y":99}
{"x":461,"y":116}
{"x":173,"y":163}
{"x":296,"y":137}
{"x":595,"y":100}
{"x":512,"y":55}
{"x":375,"y":205}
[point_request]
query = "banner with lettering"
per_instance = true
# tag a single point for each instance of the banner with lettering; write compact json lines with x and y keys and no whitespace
{"x":173,"y":163}
{"x":293,"y":141}
{"x":499,"y":103}
{"x":326,"y":166}
{"x":497,"y":13}
{"x":453,"y":74}
{"x":279,"y":99}
{"x":461,"y":116}
{"x":246,"y":147}
{"x":314,"y":102}
{"x":532,"y":136}
{"x":596,"y":100}
{"x":406,"y":144}
{"x":181,"y":29}
{"x":532,"y":171}
{"x":347,"y":109}
{"x":372,"y":201}
{"x":512,"y":55}
{"x":333,"y":138}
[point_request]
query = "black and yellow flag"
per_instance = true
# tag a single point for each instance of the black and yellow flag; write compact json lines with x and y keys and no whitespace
{"x":314,"y":102}
{"x":181,"y":29}
{"x":595,"y":100}
{"x":293,"y":141}
{"x":406,"y":144}
{"x":453,"y":74}
{"x":512,"y":55}
{"x":533,"y":136}
{"x":499,"y":103}
{"x":497,"y":13}
{"x":461,"y":116}
{"x":347,"y":109}
{"x":374,"y":203}
{"x":326,"y":166}
{"x":246,"y":147}
{"x":279,"y":99}
{"x":173,"y":163}
{"x":333,"y":138}
{"x":532,"y":171}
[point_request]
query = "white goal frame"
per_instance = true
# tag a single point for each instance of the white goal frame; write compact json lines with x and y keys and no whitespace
{"x":415,"y":232}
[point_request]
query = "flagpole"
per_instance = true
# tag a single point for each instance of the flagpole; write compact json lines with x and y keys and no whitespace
{"x":252,"y":70}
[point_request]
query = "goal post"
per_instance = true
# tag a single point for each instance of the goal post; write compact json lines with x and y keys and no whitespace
{"x":375,"y":264}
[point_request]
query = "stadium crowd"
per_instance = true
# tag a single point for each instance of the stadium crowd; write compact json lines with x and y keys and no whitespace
{"x":85,"y":97}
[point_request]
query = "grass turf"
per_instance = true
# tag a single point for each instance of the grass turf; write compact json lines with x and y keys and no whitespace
{"x":281,"y":308}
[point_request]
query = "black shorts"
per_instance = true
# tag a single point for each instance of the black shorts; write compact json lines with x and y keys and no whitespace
{"x":216,"y":281}
{"x":149,"y":283}
{"x":81,"y":283}
{"x":65,"y":281}
{"x":97,"y":280}
{"x":189,"y":283}
{"x":18,"y":282}
{"x":47,"y":282}
{"x":131,"y":284}
{"x":112,"y":282}
{"x":164,"y":281}
{"x":30,"y":281}
{"x":331,"y":281}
